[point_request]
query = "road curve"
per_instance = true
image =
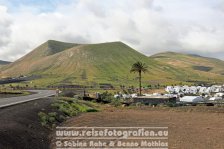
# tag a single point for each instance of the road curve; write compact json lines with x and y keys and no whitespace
{"x":6,"y":102}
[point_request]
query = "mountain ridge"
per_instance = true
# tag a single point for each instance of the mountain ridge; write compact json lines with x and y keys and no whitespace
{"x":4,"y":62}
{"x":188,"y":61}
{"x":82,"y":62}
{"x":186,"y":54}
{"x":74,"y":63}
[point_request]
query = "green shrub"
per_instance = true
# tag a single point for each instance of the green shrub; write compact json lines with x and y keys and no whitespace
{"x":62,"y":118}
{"x":70,"y":94}
{"x":47,"y":119}
{"x":43,"y":118}
{"x":52,"y":114}
{"x":65,"y":107}
{"x":171,"y":104}
{"x":51,"y":119}
{"x":116,"y":102}
{"x":106,"y":97}
{"x":139,"y":104}
{"x":92,"y":110}
{"x":80,"y":107}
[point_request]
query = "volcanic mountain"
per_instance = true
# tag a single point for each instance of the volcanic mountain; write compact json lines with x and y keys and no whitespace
{"x":59,"y":62}
{"x":56,"y":62}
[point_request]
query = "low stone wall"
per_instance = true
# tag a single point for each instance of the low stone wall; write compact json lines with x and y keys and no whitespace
{"x":153,"y":100}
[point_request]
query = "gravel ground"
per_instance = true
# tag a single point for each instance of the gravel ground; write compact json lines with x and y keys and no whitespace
{"x":20,"y":127}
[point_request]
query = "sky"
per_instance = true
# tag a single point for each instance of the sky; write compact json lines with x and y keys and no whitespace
{"x":149,"y":26}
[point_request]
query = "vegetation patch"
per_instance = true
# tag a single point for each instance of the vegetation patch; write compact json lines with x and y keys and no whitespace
{"x":64,"y":108}
{"x":202,"y":68}
{"x":13,"y":93}
{"x":108,"y":98}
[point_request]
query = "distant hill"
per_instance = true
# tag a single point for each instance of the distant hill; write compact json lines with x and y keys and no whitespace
{"x":203,"y":67}
{"x":56,"y":62}
{"x":4,"y":62}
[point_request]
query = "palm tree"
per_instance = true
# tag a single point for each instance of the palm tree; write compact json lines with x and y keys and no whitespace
{"x":139,"y":67}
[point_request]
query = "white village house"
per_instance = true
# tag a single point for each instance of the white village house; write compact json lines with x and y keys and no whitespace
{"x":215,"y":98}
{"x":194,"y":89}
{"x":191,"y":99}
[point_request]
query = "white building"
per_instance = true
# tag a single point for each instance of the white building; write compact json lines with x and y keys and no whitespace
{"x":215,"y":98}
{"x":169,"y":89}
{"x":216,"y":88}
{"x":202,"y":90}
{"x":194,"y":89}
{"x":219,"y":95}
{"x":191,"y":99}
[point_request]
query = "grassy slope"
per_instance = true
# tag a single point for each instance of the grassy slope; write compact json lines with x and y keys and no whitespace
{"x":66,"y":63}
{"x":59,"y":62}
{"x":195,"y":67}
{"x":29,"y":63}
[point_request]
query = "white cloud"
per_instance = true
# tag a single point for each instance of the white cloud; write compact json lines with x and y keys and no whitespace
{"x":4,"y":26}
{"x":146,"y":25}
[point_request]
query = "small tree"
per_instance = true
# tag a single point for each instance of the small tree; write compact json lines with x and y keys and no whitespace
{"x":139,"y":67}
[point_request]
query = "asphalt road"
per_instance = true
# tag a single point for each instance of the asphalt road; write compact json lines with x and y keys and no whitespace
{"x":38,"y":94}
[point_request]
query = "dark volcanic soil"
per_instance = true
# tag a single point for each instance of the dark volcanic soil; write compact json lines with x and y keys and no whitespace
{"x":189,"y":127}
{"x":20,"y":127}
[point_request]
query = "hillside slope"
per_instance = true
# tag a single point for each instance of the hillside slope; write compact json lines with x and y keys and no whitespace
{"x":59,"y":63}
{"x":56,"y":62}
{"x":204,"y":67}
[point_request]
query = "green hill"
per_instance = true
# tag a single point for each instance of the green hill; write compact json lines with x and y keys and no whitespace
{"x":57,"y":62}
{"x":198,"y":67}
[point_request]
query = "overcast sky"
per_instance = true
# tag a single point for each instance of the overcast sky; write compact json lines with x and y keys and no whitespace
{"x":149,"y":26}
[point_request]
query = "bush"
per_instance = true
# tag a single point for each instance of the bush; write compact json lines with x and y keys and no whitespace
{"x":139,"y":104}
{"x":52,"y":114}
{"x":70,"y":94}
{"x":80,"y":107}
{"x":51,"y":119}
{"x":65,"y":107}
{"x":92,"y":110}
{"x":107,"y":97}
{"x":47,"y":119}
{"x":43,"y":118}
{"x":171,"y":104}
{"x":72,"y":107}
{"x":116,"y":102}
{"x":62,"y":118}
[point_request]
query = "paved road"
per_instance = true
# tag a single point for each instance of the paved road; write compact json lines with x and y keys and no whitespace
{"x":5,"y":102}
